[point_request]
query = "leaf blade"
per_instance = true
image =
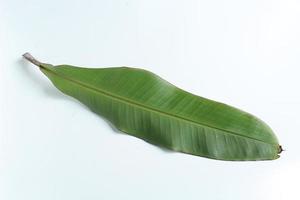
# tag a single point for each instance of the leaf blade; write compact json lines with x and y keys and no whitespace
{"x":143,"y":105}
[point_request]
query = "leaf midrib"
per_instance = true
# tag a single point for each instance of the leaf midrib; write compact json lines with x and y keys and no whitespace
{"x":134,"y":103}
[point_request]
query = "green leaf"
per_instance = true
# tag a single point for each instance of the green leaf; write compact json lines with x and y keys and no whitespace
{"x":146,"y":106}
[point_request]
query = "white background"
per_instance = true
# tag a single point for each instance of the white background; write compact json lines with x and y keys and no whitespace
{"x":243,"y":53}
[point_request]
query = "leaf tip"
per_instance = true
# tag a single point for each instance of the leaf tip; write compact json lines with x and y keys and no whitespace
{"x":280,"y":149}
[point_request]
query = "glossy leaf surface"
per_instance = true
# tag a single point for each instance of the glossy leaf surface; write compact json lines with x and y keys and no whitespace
{"x":144,"y":105}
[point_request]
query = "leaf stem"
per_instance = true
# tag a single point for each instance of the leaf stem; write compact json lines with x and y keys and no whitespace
{"x":31,"y":59}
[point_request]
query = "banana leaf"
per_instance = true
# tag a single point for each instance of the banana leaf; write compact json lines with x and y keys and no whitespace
{"x":146,"y":106}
